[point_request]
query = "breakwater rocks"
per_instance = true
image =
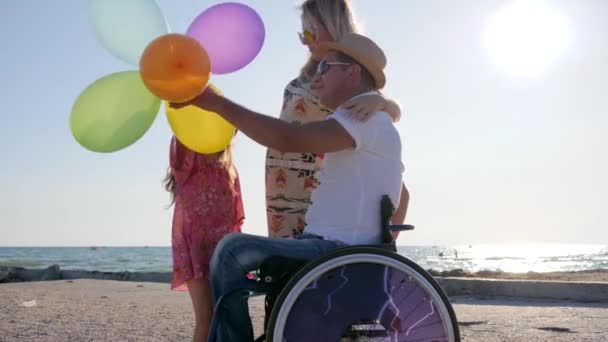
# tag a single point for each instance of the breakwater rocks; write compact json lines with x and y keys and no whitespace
{"x":10,"y":274}
{"x":455,"y":283}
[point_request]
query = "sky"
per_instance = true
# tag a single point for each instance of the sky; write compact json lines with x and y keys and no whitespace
{"x":503,"y":128}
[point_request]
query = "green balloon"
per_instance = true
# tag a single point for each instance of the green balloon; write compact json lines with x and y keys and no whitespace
{"x":113,"y":112}
{"x":126,"y":27}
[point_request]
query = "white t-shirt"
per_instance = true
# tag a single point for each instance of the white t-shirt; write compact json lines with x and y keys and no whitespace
{"x":346,"y":205}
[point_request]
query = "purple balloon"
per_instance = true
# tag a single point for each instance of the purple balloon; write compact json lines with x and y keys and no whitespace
{"x":232,"y":33}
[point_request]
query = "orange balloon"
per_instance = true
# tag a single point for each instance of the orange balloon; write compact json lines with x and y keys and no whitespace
{"x":175,"y":67}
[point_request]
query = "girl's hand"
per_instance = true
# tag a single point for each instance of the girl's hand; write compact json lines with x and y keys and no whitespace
{"x":363,"y":107}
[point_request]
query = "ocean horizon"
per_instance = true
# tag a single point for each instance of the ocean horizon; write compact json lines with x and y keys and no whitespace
{"x":514,"y":258}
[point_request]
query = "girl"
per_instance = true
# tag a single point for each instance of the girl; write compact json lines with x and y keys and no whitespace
{"x":208,"y":205}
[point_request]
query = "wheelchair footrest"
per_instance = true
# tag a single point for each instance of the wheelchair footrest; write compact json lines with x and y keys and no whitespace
{"x":276,"y":272}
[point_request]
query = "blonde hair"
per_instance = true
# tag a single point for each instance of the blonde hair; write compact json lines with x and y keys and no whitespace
{"x":228,"y":163}
{"x":224,"y":157}
{"x":336,"y":16}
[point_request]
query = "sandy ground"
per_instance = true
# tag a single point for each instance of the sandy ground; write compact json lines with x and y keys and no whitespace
{"x":101,"y":310}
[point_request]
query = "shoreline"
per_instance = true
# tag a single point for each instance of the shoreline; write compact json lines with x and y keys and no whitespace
{"x":12,"y":274}
{"x":581,"y":286}
{"x":597,"y":275}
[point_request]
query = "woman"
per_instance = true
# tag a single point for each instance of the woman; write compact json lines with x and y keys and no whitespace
{"x":290,"y":177}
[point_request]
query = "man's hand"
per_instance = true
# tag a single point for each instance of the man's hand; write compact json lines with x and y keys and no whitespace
{"x":209,"y":100}
{"x":399,"y":214}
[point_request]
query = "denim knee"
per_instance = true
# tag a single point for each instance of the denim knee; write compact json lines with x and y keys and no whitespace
{"x":226,"y":251}
{"x":226,"y":245}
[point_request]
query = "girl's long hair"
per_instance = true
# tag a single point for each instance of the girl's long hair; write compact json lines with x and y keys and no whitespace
{"x":225,"y":158}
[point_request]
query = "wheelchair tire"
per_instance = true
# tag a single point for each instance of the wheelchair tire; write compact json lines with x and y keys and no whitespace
{"x":335,"y":298}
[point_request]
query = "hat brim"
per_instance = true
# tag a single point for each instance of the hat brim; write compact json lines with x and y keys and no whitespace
{"x":377,"y":75}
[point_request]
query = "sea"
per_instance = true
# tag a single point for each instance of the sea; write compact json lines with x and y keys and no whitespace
{"x":516,"y":258}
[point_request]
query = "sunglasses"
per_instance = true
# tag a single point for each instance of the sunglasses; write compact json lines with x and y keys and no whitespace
{"x":307,"y":37}
{"x":324,"y":66}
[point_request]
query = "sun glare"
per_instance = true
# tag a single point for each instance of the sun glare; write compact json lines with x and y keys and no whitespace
{"x":526,"y":36}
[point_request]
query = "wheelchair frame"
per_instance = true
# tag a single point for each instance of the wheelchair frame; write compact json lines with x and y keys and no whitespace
{"x":282,"y":280}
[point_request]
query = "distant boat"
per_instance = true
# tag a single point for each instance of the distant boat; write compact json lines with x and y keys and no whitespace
{"x":93,"y":248}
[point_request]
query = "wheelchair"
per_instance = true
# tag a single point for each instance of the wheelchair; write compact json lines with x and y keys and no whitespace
{"x":355,"y":293}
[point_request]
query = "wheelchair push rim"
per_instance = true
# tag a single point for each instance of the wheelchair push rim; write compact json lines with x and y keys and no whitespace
{"x":408,"y":304}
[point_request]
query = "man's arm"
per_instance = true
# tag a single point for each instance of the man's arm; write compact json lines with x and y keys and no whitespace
{"x":323,"y":136}
{"x":399,"y":214}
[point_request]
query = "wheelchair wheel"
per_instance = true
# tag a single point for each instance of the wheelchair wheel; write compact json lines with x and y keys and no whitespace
{"x":362,"y":294}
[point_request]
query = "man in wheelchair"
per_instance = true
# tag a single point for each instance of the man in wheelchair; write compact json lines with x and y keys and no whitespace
{"x":362,"y":163}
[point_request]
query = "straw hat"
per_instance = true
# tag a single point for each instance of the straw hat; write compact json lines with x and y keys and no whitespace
{"x":364,"y":51}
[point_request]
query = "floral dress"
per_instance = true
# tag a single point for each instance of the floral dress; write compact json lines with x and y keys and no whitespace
{"x":206,"y":209}
{"x":290,"y":177}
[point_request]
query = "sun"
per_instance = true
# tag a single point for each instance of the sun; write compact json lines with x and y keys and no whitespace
{"x":526,"y":36}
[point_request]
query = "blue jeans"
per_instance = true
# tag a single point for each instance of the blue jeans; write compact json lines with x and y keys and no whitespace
{"x":234,"y":257}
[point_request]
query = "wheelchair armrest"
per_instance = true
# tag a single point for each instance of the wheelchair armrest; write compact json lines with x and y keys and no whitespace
{"x":400,"y":227}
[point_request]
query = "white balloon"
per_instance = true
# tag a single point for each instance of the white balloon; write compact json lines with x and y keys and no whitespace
{"x":126,"y":27}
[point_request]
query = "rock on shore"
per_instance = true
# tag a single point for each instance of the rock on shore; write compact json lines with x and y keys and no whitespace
{"x":11,"y":274}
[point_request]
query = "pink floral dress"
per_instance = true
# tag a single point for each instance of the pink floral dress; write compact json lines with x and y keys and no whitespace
{"x":206,"y":209}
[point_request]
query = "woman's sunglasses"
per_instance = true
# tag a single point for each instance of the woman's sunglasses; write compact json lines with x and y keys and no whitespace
{"x":324,"y":65}
{"x":307,"y":37}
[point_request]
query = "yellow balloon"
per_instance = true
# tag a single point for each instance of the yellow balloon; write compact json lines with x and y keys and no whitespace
{"x":200,"y":130}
